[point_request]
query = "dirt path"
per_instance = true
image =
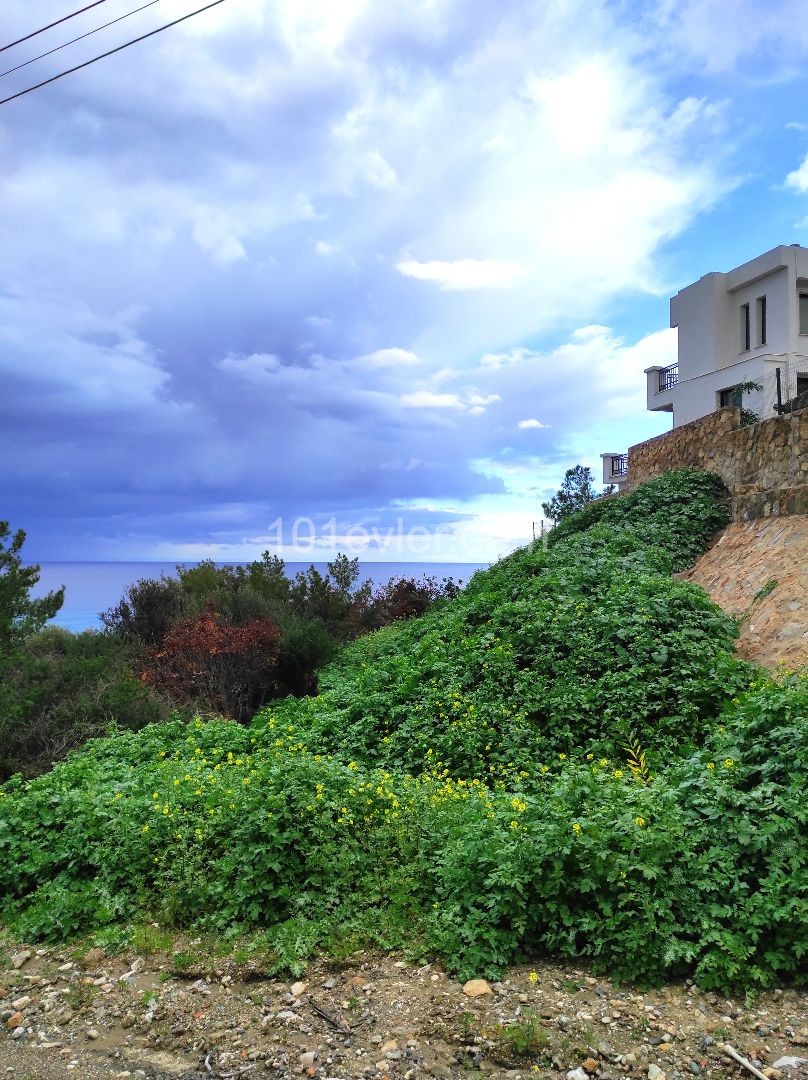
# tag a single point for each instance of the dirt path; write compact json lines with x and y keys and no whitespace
{"x":96,"y":1016}
{"x":758,"y":571}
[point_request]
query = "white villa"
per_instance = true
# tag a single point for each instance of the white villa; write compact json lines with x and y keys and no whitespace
{"x":749,"y":325}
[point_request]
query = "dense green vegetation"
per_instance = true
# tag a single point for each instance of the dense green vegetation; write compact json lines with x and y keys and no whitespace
{"x":567,"y":757}
{"x":216,"y":640}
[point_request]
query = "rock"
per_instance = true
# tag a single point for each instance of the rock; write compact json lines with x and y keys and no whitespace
{"x":92,"y":1034}
{"x":298,"y":988}
{"x":308,"y":1059}
{"x":789,"y":1062}
{"x":578,"y":1074}
{"x":773,"y":1074}
{"x":476,"y":988}
{"x":655,"y":1073}
{"x":14,"y":1020}
{"x":20,"y":1003}
{"x":391,"y":1044}
{"x":93,"y":957}
{"x":694,"y":1067}
{"x":20,"y":958}
{"x":18,"y":1032}
{"x":591,"y":1065}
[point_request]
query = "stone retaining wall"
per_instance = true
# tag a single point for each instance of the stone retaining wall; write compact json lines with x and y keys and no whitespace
{"x":764,"y":465}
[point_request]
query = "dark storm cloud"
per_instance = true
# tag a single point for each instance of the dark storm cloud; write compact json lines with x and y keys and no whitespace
{"x":250,"y":267}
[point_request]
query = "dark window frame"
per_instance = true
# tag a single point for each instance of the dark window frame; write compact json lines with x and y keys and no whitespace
{"x":746,"y":328}
{"x":761,"y":320}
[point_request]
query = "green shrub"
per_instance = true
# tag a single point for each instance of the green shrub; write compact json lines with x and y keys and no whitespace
{"x":63,"y":689}
{"x":567,"y":759}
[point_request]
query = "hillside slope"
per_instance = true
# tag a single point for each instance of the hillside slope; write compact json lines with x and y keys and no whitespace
{"x":739,"y":571}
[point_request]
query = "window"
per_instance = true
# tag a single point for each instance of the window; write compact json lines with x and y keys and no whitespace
{"x":761,"y":320}
{"x":802,"y":384}
{"x":746,"y":335}
{"x":731,"y":396}
{"x":803,"y":313}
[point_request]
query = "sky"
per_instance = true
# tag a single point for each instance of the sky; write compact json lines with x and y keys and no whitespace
{"x":311,"y":276}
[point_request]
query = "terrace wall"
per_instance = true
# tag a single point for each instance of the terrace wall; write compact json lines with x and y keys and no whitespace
{"x":764,"y":465}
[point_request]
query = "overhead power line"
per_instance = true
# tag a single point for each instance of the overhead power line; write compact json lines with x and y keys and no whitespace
{"x":81,"y":37}
{"x":42,"y":29}
{"x":110,"y":52}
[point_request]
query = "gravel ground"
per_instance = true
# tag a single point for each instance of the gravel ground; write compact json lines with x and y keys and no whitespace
{"x":65,"y":1014}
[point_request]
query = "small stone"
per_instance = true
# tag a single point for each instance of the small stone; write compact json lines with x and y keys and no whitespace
{"x":20,"y":1003}
{"x":20,"y":958}
{"x":695,"y":1068}
{"x":93,"y":958}
{"x":92,"y":1034}
{"x":298,"y":988}
{"x":591,"y":1065}
{"x":578,"y":1074}
{"x":308,"y":1059}
{"x":773,"y":1074}
{"x":476,"y":988}
{"x":391,"y":1044}
{"x":790,"y":1062}
{"x":18,"y":1032}
{"x":66,"y":967}
{"x":14,"y":1020}
{"x":655,"y":1073}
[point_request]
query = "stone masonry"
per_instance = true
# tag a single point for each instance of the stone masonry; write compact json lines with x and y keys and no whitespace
{"x":764,"y":465}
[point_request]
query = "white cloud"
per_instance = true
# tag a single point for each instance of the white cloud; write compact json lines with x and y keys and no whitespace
{"x":463,"y":274}
{"x":471,"y":401}
{"x":257,"y":368}
{"x":218,"y":234}
{"x":325,"y":248}
{"x":378,"y":172}
{"x":426,"y":399}
{"x":798,"y":178}
{"x":389,"y":358}
{"x":526,"y":425}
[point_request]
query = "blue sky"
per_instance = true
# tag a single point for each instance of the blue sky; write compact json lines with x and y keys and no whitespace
{"x":382,"y":267}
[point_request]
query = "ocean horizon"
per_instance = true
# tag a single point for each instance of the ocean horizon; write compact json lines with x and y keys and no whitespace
{"x":93,"y":587}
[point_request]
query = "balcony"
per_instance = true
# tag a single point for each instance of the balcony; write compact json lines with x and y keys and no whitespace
{"x":668,"y":377}
{"x":615,"y":468}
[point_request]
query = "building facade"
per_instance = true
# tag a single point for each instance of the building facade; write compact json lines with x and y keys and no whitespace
{"x":743,"y":341}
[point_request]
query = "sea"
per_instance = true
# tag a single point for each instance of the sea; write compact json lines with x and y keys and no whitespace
{"x":93,"y":587}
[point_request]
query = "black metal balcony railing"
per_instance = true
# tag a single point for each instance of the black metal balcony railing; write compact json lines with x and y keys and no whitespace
{"x":668,"y":377}
{"x":620,"y":465}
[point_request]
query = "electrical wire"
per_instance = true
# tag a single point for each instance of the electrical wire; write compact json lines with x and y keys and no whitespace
{"x":42,"y":30}
{"x":81,"y":37}
{"x":110,"y":52}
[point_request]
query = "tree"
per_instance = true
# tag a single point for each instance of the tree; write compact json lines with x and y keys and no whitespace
{"x":20,"y":616}
{"x":227,"y":668}
{"x":574,"y":494}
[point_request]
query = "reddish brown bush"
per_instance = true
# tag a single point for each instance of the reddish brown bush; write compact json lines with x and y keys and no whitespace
{"x":227,"y":668}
